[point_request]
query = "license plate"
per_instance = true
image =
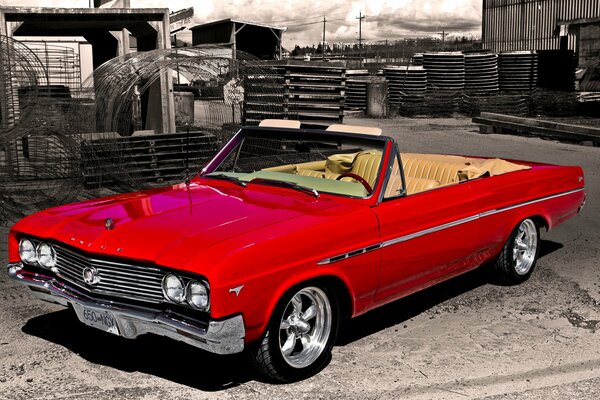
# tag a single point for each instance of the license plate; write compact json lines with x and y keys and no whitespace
{"x":103,"y":320}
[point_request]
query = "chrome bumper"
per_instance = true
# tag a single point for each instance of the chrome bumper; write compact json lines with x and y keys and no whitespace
{"x":220,"y":337}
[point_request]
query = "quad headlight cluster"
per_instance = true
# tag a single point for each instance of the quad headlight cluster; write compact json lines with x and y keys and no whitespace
{"x":195,"y":293}
{"x":42,"y":253}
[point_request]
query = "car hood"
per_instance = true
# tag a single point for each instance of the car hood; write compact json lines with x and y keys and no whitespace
{"x":152,"y":225}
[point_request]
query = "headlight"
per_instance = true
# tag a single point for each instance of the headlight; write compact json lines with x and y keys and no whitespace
{"x":173,"y":288}
{"x":27,"y":251}
{"x":46,"y":256}
{"x":197,"y":295}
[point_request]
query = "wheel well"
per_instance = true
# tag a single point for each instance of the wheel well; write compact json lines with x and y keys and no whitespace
{"x":341,"y":291}
{"x":540,"y":221}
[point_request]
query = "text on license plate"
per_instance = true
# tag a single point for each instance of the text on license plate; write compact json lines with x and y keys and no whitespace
{"x":103,"y":320}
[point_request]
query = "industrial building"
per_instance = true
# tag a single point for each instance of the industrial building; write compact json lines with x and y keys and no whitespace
{"x":515,"y":25}
{"x":260,"y":40}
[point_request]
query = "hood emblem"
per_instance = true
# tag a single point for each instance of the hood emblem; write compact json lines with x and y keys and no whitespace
{"x":236,"y":290}
{"x":109,"y":224}
{"x":90,"y":276}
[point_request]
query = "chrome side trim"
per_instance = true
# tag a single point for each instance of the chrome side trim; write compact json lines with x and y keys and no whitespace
{"x":438,"y":228}
{"x":527,"y":203}
{"x":428,"y":231}
{"x":352,"y":253}
{"x":216,"y":336}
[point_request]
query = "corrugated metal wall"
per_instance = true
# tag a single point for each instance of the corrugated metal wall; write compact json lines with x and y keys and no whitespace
{"x":511,"y":25}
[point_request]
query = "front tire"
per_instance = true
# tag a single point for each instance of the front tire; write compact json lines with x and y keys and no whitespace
{"x":518,"y":257}
{"x":300,"y":335}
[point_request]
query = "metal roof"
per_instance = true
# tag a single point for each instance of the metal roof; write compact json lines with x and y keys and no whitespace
{"x":239,"y":21}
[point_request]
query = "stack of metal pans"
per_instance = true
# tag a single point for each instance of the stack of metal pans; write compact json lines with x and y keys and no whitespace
{"x":356,"y":89}
{"x":481,"y":73}
{"x":417,"y":59}
{"x":405,"y":83}
{"x":445,"y":71}
{"x":518,"y":70}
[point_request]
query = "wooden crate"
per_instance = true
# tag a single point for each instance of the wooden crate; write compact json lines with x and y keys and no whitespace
{"x":310,"y":93}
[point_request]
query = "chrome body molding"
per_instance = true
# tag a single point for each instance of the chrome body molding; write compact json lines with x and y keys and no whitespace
{"x":353,"y":253}
{"x":219,"y":337}
{"x":438,"y":228}
{"x":428,"y":231}
{"x":527,"y":203}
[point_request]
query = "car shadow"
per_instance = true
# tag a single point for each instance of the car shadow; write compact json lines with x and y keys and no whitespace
{"x":549,"y":247}
{"x":171,"y":360}
{"x":150,"y":354}
{"x":409,"y":307}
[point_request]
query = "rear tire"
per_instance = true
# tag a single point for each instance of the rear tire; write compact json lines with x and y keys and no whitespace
{"x":518,"y":257}
{"x":300,"y":335}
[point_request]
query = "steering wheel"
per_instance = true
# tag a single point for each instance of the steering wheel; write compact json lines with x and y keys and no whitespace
{"x":358,"y":178}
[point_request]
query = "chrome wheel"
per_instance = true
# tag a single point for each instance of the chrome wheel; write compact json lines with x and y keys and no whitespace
{"x":305,"y":327}
{"x":525,"y":247}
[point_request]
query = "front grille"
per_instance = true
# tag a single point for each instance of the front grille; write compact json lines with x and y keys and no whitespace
{"x":117,"y":279}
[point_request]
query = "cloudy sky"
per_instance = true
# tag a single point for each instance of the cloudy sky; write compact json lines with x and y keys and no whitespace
{"x":384,"y":19}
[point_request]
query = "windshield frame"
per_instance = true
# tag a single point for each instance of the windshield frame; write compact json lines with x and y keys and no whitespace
{"x":241,"y":134}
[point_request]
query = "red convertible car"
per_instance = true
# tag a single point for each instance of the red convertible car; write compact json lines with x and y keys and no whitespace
{"x":286,"y":232}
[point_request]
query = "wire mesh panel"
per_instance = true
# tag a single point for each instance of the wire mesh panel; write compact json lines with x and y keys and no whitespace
{"x":39,"y":162}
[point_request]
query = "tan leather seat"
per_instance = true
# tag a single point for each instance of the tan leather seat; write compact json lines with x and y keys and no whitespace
{"x":453,"y":169}
{"x":417,"y":185}
{"x":366,"y":165}
{"x":413,"y":185}
{"x":442,"y":169}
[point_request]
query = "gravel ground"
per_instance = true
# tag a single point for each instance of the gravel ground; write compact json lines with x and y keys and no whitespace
{"x":464,"y":339}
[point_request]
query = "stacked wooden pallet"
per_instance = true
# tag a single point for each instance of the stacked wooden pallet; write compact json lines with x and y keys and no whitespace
{"x":585,"y":97}
{"x":356,"y":89}
{"x":137,"y":160}
{"x":264,"y":97}
{"x":311,"y":93}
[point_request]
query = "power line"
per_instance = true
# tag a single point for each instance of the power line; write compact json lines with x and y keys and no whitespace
{"x":315,"y":22}
{"x":305,"y":18}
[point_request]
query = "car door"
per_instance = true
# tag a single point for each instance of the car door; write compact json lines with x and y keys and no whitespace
{"x":425,"y":237}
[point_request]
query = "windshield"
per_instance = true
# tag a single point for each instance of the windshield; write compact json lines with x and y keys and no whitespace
{"x":322,"y":162}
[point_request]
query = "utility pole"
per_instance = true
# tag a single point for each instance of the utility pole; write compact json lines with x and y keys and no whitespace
{"x":323,"y":45}
{"x":444,"y":34}
{"x":360,"y":18}
{"x":387,"y":52}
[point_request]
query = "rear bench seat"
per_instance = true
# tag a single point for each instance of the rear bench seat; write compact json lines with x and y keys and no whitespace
{"x":416,"y":185}
{"x":440,"y":168}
